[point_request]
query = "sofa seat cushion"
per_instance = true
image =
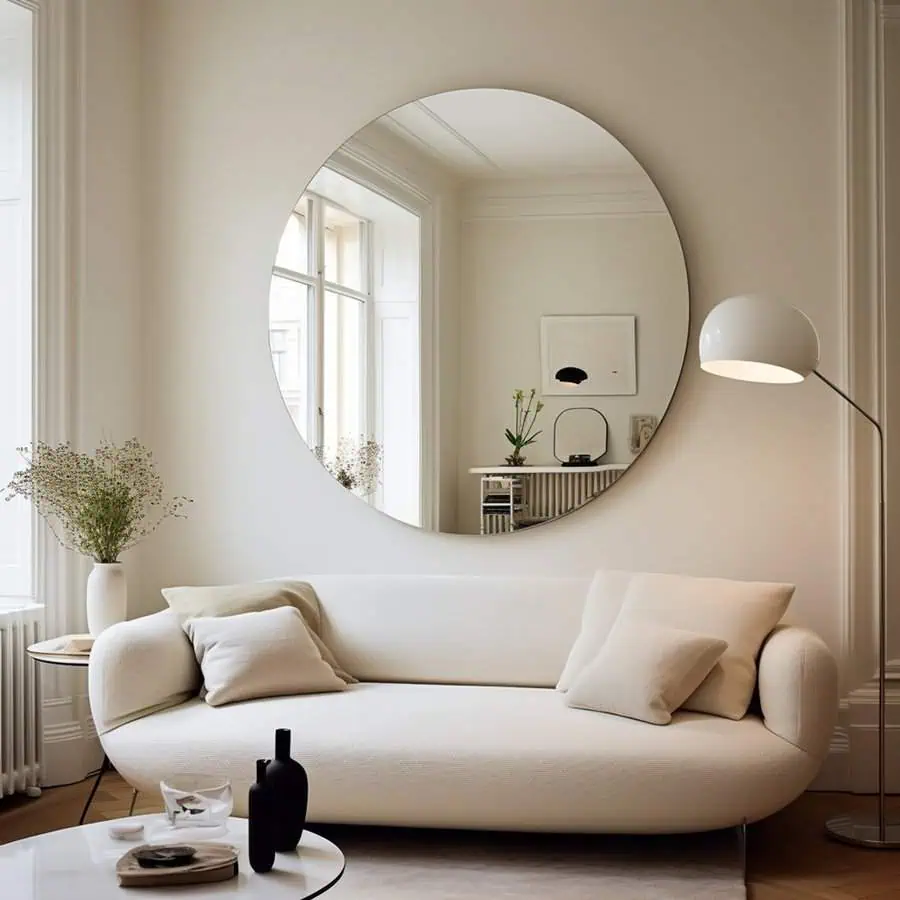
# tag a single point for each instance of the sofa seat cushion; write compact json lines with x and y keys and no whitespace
{"x":509,"y":758}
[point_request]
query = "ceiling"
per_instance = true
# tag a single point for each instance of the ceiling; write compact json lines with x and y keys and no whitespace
{"x":11,"y":14}
{"x":489,"y":133}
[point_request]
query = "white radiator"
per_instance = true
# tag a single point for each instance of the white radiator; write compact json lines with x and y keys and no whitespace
{"x":20,"y":706}
{"x":538,"y":494}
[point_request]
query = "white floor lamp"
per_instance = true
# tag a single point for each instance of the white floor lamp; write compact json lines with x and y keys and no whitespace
{"x":754,"y":338}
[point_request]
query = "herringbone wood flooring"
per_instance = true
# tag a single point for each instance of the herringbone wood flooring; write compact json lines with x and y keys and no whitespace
{"x":788,"y":855}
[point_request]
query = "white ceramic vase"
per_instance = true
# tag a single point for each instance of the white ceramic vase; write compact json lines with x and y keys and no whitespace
{"x":107,"y":596}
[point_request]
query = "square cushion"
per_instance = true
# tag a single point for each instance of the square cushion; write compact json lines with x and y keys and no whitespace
{"x":645,"y":671}
{"x":742,"y":613}
{"x":259,"y":654}
{"x":234,"y":599}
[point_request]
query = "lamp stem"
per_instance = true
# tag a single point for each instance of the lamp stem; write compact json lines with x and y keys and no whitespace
{"x":882,"y":608}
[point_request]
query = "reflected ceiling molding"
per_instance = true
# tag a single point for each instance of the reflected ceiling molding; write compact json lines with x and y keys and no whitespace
{"x":454,"y":133}
{"x":603,"y":194}
{"x":407,"y":131}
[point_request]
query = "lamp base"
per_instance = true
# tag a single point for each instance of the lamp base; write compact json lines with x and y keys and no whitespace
{"x":862,"y":830}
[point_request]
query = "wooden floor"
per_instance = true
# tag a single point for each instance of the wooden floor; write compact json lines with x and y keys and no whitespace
{"x":788,"y":856}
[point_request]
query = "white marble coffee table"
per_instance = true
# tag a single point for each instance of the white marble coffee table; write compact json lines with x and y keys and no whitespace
{"x":80,"y":864}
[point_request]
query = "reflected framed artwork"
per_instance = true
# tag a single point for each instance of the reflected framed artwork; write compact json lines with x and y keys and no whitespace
{"x":591,"y":356}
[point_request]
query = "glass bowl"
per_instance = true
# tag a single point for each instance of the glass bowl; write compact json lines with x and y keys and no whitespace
{"x":197,"y":801}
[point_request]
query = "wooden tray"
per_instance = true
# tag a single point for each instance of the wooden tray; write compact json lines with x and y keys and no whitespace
{"x":213,"y":862}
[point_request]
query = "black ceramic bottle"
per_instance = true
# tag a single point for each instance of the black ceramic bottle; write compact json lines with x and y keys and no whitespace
{"x":260,"y":835}
{"x":288,"y":788}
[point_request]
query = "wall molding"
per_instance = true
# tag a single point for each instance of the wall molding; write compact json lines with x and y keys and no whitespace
{"x":60,"y":185}
{"x":862,"y":351}
{"x":890,"y":9}
{"x":849,"y":765}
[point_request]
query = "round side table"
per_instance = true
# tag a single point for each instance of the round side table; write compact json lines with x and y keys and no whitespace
{"x":47,"y":653}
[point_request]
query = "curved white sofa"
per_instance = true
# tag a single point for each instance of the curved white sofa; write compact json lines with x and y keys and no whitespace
{"x":456,"y":722}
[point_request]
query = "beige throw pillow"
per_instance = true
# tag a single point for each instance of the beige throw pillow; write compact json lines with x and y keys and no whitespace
{"x":742,"y":613}
{"x":259,"y":654}
{"x":234,"y":599}
{"x":645,"y":671}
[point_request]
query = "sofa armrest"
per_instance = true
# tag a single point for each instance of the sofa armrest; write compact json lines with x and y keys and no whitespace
{"x":798,"y":688}
{"x":139,"y":667}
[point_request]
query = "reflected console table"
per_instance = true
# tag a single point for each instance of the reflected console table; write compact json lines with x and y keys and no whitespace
{"x":514,"y":497}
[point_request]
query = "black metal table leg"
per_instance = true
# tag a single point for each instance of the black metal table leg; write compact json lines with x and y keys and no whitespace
{"x":104,"y":767}
{"x":742,"y":832}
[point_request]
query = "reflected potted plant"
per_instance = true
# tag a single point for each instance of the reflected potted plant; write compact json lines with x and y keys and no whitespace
{"x":526,"y":419}
{"x":98,"y":504}
{"x":355,"y":464}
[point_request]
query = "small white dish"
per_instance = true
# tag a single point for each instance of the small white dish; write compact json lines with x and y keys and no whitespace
{"x":126,"y":832}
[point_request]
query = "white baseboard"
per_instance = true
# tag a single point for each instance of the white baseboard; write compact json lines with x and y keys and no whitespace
{"x":851,"y":764}
{"x":834,"y":774}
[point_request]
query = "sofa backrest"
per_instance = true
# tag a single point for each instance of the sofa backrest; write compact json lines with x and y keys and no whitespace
{"x":451,"y":629}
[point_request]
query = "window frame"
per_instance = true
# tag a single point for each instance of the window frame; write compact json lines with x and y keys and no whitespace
{"x":318,"y":287}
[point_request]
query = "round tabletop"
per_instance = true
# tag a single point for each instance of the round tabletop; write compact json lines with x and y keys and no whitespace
{"x":80,"y":863}
{"x":50,"y":652}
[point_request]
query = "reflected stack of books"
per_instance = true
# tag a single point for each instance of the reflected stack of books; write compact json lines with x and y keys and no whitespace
{"x":502,"y":504}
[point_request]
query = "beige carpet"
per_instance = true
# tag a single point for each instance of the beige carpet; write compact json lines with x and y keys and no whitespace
{"x":400,"y":864}
{"x":411,"y":864}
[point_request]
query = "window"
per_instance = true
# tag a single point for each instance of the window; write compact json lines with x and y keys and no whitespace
{"x":319,"y":308}
{"x":16,"y":288}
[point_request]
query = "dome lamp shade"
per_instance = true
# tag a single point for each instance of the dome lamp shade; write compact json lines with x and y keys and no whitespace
{"x":756,"y":338}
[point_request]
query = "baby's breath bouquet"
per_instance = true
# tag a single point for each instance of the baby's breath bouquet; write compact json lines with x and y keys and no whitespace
{"x":354,"y":463}
{"x":100,"y":503}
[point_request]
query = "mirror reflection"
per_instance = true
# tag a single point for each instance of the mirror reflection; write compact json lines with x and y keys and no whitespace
{"x":478,"y":312}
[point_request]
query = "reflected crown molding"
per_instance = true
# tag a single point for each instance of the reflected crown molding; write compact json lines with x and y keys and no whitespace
{"x":581,"y":196}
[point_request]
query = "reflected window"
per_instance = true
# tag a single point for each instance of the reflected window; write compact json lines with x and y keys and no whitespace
{"x":317,"y":320}
{"x":344,"y":338}
{"x":289,"y":339}
{"x":293,"y":249}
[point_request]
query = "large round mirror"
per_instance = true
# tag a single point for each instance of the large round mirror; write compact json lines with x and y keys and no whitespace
{"x":479,"y":312}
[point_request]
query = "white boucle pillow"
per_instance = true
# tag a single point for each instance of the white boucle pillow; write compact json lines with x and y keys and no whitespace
{"x":742,"y":613}
{"x":259,"y":654}
{"x":645,"y":671}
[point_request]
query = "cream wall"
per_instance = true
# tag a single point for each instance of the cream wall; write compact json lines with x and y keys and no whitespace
{"x":741,"y":480}
{"x":109,"y":292}
{"x":516,"y":270}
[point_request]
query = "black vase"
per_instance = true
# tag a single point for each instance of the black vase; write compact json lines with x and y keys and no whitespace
{"x":288,"y":789}
{"x":260,"y":820}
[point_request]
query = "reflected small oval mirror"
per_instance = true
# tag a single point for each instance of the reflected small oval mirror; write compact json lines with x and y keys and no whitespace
{"x":458,"y":274}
